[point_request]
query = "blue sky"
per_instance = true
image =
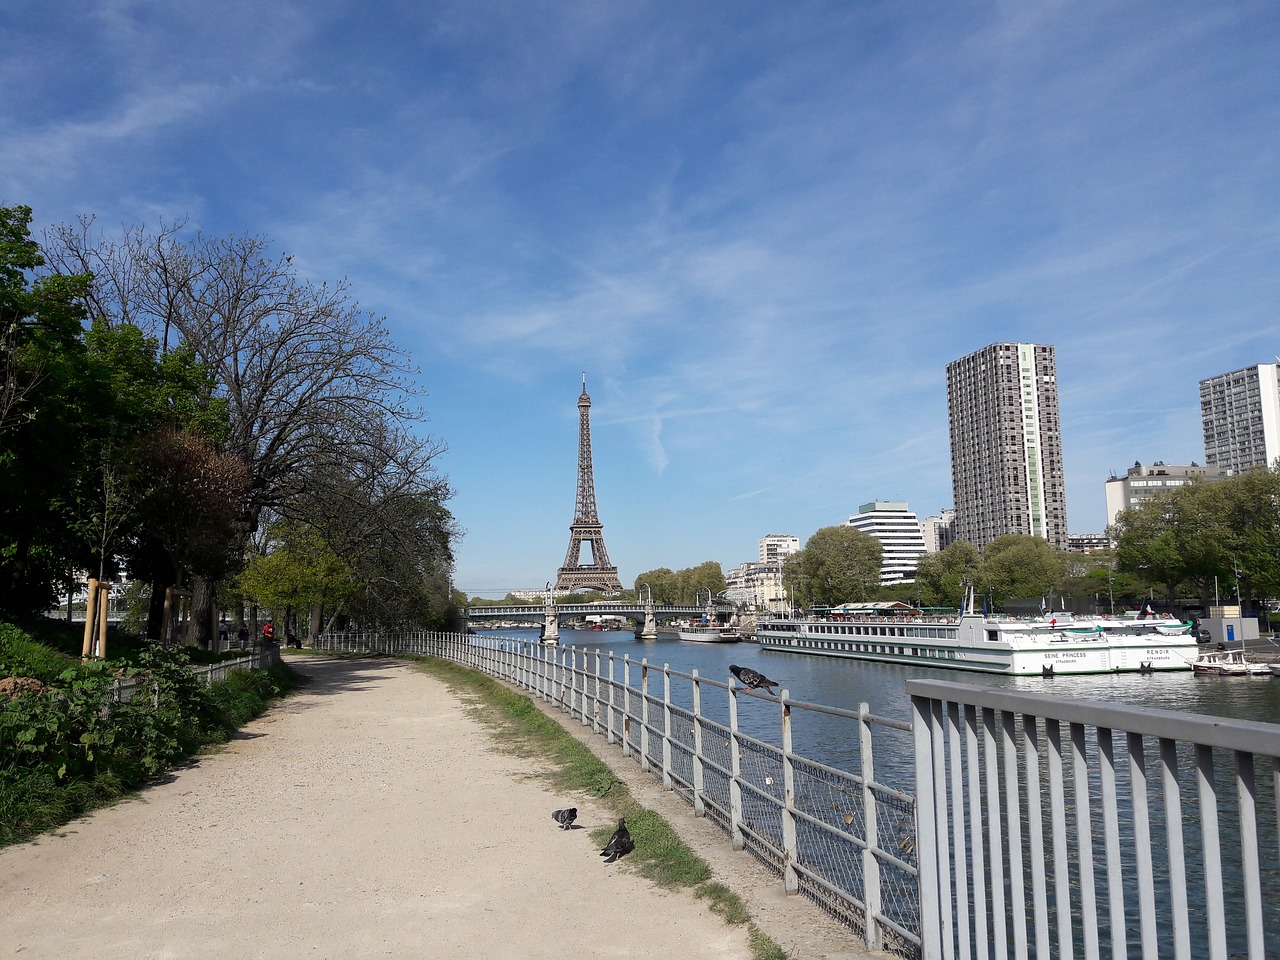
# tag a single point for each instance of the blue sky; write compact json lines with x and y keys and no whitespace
{"x":761,"y":229}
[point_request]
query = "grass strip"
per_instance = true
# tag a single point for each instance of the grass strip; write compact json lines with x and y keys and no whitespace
{"x":660,"y":854}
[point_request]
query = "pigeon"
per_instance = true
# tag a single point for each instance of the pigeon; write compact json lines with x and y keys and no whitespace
{"x":620,"y":844}
{"x":565,"y":817}
{"x":754,"y":679}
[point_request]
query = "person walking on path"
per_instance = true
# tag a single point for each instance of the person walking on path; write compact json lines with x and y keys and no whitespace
{"x":367,"y":816}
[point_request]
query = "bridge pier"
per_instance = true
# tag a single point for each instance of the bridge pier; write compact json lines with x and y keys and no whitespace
{"x":649,"y":631}
{"x":550,"y":625}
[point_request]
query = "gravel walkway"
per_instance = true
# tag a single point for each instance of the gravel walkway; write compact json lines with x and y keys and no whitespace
{"x":367,"y":816}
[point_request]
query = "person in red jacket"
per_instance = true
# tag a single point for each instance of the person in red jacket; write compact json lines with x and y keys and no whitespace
{"x":268,"y":632}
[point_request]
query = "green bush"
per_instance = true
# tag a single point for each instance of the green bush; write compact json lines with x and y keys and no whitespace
{"x":20,"y":656}
{"x":71,"y":747}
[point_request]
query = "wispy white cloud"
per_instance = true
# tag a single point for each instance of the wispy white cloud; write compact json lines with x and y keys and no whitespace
{"x":763,"y":231}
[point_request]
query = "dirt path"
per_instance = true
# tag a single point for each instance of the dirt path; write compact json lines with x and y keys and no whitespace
{"x":365,"y":817}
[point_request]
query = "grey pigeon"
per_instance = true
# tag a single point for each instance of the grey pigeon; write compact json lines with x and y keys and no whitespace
{"x":619,"y":845}
{"x":565,"y":817}
{"x":754,"y":679}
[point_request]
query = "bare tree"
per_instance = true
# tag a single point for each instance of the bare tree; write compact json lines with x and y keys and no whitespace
{"x":310,"y":379}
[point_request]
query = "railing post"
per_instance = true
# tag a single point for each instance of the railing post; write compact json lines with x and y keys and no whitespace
{"x":790,"y":851}
{"x":609,"y":734}
{"x":928,"y":840}
{"x":735,"y":764}
{"x":569,"y":687}
{"x":666,"y":725}
{"x":871,"y":893}
{"x":595,"y":706}
{"x":626,"y":705}
{"x":699,"y":803}
{"x":644,"y":714}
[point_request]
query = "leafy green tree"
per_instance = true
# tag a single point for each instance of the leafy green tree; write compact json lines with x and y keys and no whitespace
{"x":1147,"y":542}
{"x":1019,"y":566}
{"x":1251,"y":517}
{"x":943,"y":577}
{"x":706,"y":577}
{"x":663,"y":583}
{"x":302,"y":572}
{"x":837,"y":565}
{"x":45,"y":406}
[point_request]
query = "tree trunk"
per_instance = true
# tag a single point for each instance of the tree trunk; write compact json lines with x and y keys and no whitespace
{"x":204,"y":598}
{"x":155,"y":612}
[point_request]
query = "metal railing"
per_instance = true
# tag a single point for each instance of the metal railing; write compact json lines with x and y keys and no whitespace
{"x":125,"y":689}
{"x":840,"y":838}
{"x":1058,"y":828}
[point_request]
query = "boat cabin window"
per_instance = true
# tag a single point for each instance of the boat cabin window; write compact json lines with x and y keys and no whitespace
{"x":993,"y":636}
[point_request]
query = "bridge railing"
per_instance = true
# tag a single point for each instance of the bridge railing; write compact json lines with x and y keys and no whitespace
{"x":1063,"y":828}
{"x":841,"y":838}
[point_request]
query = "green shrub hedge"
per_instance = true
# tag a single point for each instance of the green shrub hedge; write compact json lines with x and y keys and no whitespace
{"x":68,"y":748}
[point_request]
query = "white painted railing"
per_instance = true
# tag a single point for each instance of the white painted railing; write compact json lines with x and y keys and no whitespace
{"x":267,"y":655}
{"x":1063,"y":828}
{"x":840,"y":838}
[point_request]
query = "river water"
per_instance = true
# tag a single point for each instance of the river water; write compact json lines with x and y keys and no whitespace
{"x":845,"y":683}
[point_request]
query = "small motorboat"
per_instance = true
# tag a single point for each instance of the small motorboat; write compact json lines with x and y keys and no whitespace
{"x":1230,"y":663}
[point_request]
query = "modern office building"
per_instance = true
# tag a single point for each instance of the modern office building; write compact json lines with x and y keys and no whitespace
{"x":898,"y":530}
{"x":939,"y":531}
{"x":1006,"y":444}
{"x":1143,"y":482}
{"x":1240,"y":412}
{"x":775,"y":548}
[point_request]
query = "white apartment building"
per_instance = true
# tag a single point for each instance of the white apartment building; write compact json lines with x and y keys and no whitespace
{"x":777,"y":547}
{"x":898,"y":530}
{"x":1006,"y":444}
{"x":757,"y":586}
{"x":938,"y":531}
{"x":1240,"y":412}
{"x":1143,"y":482}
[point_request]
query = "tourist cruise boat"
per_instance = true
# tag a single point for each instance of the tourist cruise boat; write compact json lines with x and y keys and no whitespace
{"x":707,"y":633}
{"x":1048,"y":645}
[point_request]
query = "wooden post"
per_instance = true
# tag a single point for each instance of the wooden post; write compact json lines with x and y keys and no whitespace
{"x":104,"y":603}
{"x":90,"y":618}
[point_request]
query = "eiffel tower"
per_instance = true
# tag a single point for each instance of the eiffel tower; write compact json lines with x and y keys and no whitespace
{"x":586,"y":527}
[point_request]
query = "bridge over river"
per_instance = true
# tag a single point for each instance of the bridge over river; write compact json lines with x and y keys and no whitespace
{"x":550,"y":615}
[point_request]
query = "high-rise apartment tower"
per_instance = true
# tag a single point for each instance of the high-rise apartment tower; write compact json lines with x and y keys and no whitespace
{"x":1241,"y":416}
{"x":1006,"y":444}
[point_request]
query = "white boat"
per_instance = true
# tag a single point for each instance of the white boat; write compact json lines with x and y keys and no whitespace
{"x":1275,"y":669}
{"x":707,"y":633}
{"x":1049,"y":645}
{"x":1230,"y":663}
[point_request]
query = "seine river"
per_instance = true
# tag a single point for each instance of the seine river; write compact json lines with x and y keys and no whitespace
{"x":844,"y":683}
